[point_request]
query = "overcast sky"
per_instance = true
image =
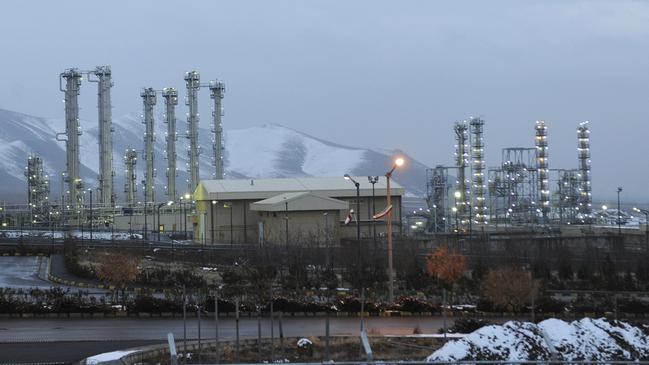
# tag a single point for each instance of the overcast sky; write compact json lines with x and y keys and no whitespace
{"x":380,"y":74}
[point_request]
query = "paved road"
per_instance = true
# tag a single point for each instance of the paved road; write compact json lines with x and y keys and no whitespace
{"x":61,"y":352}
{"x":22,"y":272}
{"x":79,"y":329}
{"x":69,"y":340}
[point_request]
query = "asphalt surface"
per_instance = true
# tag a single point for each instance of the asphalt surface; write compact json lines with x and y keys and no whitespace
{"x":22,"y":272}
{"x":80,"y":329}
{"x":70,"y":340}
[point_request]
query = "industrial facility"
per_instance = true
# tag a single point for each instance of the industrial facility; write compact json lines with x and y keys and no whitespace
{"x":521,"y":191}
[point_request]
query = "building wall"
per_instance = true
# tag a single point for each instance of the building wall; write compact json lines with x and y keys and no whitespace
{"x":234,"y":222}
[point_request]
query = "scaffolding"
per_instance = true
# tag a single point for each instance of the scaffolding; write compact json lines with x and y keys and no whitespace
{"x":567,"y":195}
{"x":217,"y":91}
{"x":437,"y":198}
{"x":192,"y":80}
{"x":130,"y":184}
{"x":541,"y":143}
{"x":513,"y":187}
{"x":462,"y":192}
{"x":38,"y":190}
{"x":149,"y":100}
{"x":583,"y":157}
{"x":171,"y":100}
{"x":477,"y":162}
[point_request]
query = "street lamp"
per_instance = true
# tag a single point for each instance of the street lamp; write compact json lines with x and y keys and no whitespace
{"x":397,"y":163}
{"x":646,"y":225}
{"x":619,"y":213}
{"x":214,"y":203}
{"x":90,"y":190}
{"x":373,"y":180}
{"x":358,"y":226}
{"x":358,"y":207}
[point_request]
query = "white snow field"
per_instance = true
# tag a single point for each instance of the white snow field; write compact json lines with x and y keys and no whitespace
{"x":553,"y":339}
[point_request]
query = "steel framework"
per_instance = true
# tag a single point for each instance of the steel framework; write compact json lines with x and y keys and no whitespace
{"x":541,"y":143}
{"x":192,"y":80}
{"x":106,"y":171}
{"x":72,"y":132}
{"x":217,"y":91}
{"x":38,"y":190}
{"x":583,"y":156}
{"x":477,"y":160}
{"x":149,"y":100}
{"x":130,"y":185}
{"x":171,"y":100}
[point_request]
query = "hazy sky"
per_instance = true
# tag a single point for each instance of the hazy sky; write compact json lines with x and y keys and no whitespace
{"x":380,"y":74}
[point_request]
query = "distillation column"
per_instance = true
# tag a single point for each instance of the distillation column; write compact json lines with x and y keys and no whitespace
{"x":72,"y":132}
{"x":583,"y":156}
{"x":171,"y":100}
{"x":461,"y":161}
{"x":217,"y":89}
{"x":192,"y":80}
{"x":130,"y":185}
{"x":38,"y":189}
{"x":149,"y":100}
{"x":477,"y":154}
{"x":106,"y":172}
{"x":543,"y":169}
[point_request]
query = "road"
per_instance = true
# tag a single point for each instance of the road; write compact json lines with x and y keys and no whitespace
{"x":80,"y":329}
{"x":22,"y":272}
{"x":68,"y":340}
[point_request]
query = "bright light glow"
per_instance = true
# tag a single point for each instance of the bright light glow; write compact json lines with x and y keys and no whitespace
{"x":187,"y":196}
{"x":458,"y":194}
{"x":604,"y":207}
{"x":399,"y":161}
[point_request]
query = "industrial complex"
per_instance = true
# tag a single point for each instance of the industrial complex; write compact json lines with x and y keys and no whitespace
{"x":523,"y":190}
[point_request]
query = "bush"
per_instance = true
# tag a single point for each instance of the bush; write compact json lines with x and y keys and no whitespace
{"x":467,"y":325}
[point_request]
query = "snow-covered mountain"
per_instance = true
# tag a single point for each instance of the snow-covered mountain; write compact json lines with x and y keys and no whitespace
{"x":269,"y":150}
{"x":553,"y":339}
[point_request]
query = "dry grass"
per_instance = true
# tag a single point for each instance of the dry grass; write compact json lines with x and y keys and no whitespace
{"x":340,"y":349}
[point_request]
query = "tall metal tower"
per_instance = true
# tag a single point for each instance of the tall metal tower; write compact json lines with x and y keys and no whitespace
{"x":38,"y":189}
{"x":149,"y":100}
{"x":106,"y":172}
{"x":130,"y":185}
{"x":72,"y":132}
{"x":461,"y":161}
{"x":583,"y":156}
{"x":477,"y":156}
{"x":217,"y":90}
{"x":541,"y":143}
{"x":192,"y":80}
{"x":171,"y":100}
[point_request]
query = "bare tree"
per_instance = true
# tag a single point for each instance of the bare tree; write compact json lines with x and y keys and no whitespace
{"x":510,"y":288}
{"x":117,"y":269}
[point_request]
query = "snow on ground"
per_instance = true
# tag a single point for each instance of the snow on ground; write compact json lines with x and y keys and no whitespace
{"x":585,"y":339}
{"x":107,"y":356}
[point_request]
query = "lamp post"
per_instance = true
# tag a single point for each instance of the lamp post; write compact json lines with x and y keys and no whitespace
{"x":398,"y":162}
{"x":619,"y":213}
{"x":373,"y":180}
{"x":646,"y":225}
{"x":358,"y":227}
{"x":286,"y":220}
{"x":358,"y":207}
{"x":90,"y":190}
{"x":214,"y":202}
